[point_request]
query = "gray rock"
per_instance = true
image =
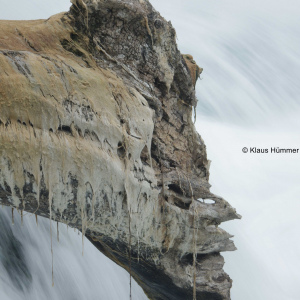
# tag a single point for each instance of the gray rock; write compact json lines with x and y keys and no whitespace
{"x":97,"y":132}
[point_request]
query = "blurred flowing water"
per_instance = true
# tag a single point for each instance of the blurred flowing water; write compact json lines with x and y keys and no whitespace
{"x":25,"y":264}
{"x":248,"y":97}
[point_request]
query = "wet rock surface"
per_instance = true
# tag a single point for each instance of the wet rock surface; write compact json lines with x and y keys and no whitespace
{"x":96,"y":132}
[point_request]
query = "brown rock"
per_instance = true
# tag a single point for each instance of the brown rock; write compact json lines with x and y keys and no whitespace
{"x":96,"y":132}
{"x":195,"y":70}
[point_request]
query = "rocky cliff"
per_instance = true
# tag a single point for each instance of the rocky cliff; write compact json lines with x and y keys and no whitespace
{"x":96,"y":132}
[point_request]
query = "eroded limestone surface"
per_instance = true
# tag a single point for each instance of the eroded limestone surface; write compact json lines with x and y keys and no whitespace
{"x":96,"y":132}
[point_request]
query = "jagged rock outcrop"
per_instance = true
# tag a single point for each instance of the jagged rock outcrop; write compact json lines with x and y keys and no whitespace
{"x":96,"y":132}
{"x":195,"y":70}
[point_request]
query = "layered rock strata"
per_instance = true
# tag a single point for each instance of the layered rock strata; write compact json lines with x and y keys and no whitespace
{"x":96,"y":132}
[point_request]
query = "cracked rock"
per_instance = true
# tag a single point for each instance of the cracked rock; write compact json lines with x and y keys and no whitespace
{"x":96,"y":132}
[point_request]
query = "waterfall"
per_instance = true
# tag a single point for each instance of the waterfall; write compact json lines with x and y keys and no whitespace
{"x":25,"y":264}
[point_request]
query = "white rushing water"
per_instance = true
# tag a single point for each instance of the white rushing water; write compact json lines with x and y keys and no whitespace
{"x":25,"y":268}
{"x":248,"y":97}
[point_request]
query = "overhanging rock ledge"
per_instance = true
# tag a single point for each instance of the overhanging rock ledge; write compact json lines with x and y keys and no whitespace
{"x":96,"y":132}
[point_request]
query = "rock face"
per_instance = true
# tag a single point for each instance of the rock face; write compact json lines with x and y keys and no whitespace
{"x":96,"y":131}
